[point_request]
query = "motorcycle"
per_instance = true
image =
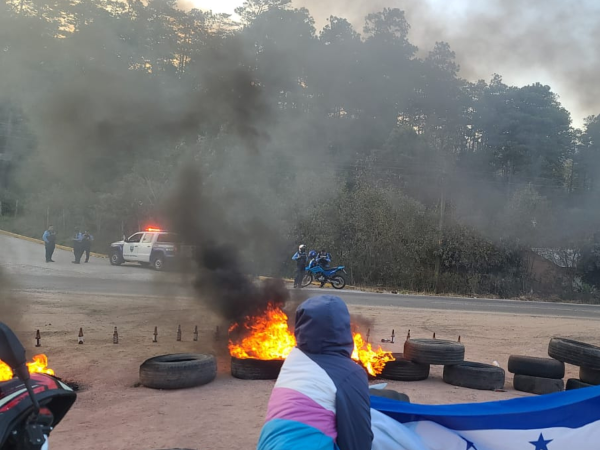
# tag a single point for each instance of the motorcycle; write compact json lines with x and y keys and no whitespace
{"x":31,"y":405}
{"x":322,"y":275}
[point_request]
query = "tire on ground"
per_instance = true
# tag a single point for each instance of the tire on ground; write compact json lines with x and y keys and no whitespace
{"x":589,"y":376}
{"x":537,"y":385}
{"x":575,"y":352}
{"x":434,"y":351}
{"x":402,"y":369}
{"x":255,"y":369}
{"x":574,"y":383}
{"x":472,"y":375}
{"x":178,"y":371}
{"x":536,"y":367}
{"x":390,"y":393}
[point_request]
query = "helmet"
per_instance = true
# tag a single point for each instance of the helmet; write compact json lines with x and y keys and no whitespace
{"x":302,"y":248}
{"x":312,"y":254}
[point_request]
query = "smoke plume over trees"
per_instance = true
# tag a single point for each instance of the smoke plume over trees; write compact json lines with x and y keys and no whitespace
{"x":344,"y":137}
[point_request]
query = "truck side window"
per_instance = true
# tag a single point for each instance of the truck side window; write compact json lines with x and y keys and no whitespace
{"x":135,"y":238}
{"x":147,"y":238}
{"x":169,"y":238}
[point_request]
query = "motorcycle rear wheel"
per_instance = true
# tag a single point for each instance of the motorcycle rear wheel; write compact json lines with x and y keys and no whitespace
{"x":338,"y":282}
{"x":307,"y":280}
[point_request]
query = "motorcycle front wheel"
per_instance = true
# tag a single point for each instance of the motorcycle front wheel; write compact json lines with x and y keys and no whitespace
{"x":307,"y":280}
{"x":338,"y":282}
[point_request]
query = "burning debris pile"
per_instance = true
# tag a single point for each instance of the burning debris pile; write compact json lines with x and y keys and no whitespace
{"x":258,"y":326}
{"x":39,"y":364}
{"x":268,"y":337}
{"x":263,"y":337}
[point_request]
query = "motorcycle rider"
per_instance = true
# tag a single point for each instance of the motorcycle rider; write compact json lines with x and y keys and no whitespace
{"x":312,"y":258}
{"x":301,"y":259}
{"x":323,"y":259}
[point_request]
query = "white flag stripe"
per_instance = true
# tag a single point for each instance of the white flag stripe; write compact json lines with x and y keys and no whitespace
{"x":392,"y":435}
{"x":436,"y":437}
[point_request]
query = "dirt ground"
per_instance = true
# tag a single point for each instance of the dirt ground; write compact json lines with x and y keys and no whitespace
{"x":112,"y":413}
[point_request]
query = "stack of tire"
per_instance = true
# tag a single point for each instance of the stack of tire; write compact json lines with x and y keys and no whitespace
{"x":423,"y":353}
{"x":585,"y":356}
{"x":537,"y":375}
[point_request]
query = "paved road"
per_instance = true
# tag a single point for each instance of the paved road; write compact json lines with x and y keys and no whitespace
{"x":24,"y":262}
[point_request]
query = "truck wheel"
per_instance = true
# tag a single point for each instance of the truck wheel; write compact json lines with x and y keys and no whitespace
{"x":158,"y":263}
{"x":115,"y":258}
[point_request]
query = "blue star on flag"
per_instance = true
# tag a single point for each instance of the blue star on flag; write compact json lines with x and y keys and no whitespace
{"x":541,"y":443}
{"x":470,"y":445}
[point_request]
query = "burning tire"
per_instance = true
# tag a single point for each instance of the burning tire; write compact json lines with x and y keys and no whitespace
{"x":536,"y":367}
{"x":434,"y":351}
{"x":472,"y":375}
{"x":255,"y":369}
{"x":404,"y":370}
{"x":574,"y":352}
{"x":178,"y":371}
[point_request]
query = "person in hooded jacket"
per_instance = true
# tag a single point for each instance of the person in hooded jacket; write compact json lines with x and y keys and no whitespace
{"x":321,"y":397}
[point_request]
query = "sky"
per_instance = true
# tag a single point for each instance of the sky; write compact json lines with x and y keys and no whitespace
{"x":554,"y":42}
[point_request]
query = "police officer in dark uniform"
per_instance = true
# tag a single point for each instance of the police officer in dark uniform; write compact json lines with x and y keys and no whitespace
{"x":49,"y":238}
{"x":86,"y":245}
{"x":77,"y":246}
{"x":301,"y":259}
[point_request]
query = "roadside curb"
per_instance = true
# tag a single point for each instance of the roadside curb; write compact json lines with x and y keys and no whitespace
{"x":39,"y":241}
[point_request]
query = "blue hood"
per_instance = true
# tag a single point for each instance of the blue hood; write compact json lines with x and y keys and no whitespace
{"x":323,"y":326}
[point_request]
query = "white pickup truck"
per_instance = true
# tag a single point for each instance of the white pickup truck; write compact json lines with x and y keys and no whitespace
{"x":152,"y":247}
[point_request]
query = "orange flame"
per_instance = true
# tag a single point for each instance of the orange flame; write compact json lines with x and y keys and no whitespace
{"x":372,"y":360}
{"x":5,"y":372}
{"x":38,"y":365}
{"x":268,"y":337}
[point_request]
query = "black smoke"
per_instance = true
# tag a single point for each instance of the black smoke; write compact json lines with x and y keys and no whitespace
{"x":221,"y":279}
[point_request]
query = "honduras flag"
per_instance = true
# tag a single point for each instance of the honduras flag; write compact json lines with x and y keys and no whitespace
{"x":563,"y":421}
